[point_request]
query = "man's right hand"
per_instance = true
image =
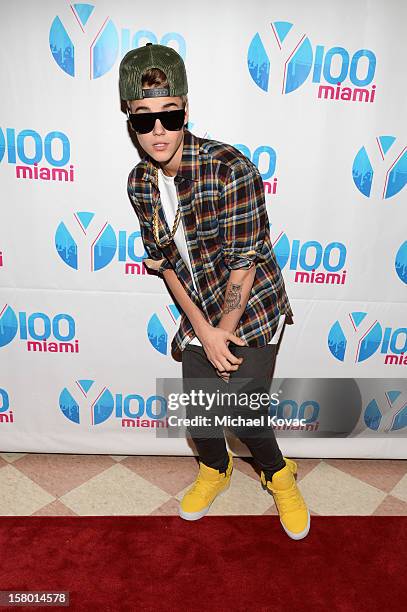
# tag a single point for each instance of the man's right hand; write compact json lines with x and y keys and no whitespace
{"x":215,"y":341}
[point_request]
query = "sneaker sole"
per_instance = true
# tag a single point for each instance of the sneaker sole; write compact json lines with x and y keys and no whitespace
{"x":194,"y":516}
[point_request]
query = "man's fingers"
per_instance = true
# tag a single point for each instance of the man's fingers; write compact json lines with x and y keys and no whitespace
{"x":218,"y":365}
{"x":237,"y":340}
{"x":228,"y":367}
{"x":233,"y":359}
{"x":233,"y":367}
{"x":224,"y":375}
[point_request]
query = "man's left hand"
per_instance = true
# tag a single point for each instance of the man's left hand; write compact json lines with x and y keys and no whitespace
{"x":224,"y":375}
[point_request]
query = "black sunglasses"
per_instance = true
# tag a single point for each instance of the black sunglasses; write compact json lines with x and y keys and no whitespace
{"x":145,"y":122}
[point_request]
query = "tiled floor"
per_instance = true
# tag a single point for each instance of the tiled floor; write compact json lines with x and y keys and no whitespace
{"x":90,"y":485}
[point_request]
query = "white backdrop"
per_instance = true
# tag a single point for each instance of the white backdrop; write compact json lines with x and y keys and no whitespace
{"x":264,"y":77}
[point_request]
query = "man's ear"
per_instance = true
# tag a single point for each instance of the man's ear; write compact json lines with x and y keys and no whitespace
{"x":186,"y":113}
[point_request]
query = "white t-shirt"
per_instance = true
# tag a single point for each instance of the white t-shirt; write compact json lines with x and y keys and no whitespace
{"x":169,"y":202}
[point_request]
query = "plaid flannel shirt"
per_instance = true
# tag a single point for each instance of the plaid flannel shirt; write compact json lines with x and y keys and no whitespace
{"x":223,"y":210}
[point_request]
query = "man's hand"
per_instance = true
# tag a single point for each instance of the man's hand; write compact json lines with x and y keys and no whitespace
{"x":224,"y":375}
{"x":215,"y":342}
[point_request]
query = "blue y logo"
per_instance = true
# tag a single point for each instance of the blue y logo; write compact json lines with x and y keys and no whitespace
{"x":396,"y":173}
{"x":388,"y":414}
{"x":297,"y":66}
{"x":364,"y":336}
{"x":157,"y":328}
{"x":102,"y":43}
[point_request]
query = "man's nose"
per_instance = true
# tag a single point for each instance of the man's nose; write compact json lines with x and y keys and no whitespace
{"x":158,"y":127}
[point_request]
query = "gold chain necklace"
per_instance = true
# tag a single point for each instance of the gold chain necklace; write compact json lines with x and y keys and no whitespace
{"x":155,"y":221}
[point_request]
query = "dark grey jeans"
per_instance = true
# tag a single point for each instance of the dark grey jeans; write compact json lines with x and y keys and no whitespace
{"x":252,"y":378}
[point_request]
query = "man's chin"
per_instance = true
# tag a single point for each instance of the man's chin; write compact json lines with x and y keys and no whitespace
{"x":161,"y":157}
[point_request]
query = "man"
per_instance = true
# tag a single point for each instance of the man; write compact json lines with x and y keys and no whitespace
{"x":204,"y":225}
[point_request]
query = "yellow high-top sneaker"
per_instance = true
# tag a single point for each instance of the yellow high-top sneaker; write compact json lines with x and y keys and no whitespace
{"x":294,"y":514}
{"x":208,"y":485}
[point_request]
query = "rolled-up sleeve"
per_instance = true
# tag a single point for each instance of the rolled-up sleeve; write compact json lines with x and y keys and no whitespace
{"x":243,"y":217}
{"x":156,"y":260}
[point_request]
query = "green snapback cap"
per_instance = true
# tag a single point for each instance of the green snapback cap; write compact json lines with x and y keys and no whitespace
{"x":137,"y":61}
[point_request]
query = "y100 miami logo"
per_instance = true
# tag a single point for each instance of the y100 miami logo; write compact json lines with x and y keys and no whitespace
{"x":40,"y":332}
{"x":6,"y":414}
{"x":327,"y":407}
{"x":264,"y":157}
{"x":27,"y":149}
{"x":290,"y":411}
{"x":358,"y":337}
{"x":312,"y":262}
{"x":280,"y":59}
{"x":401,"y":262}
{"x":84,"y":42}
{"x":87,"y":403}
{"x":159,"y":325}
{"x":86,"y":243}
{"x":390,"y":177}
{"x":388,"y":413}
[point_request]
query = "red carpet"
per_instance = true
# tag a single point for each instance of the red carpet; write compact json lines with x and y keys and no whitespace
{"x":239,"y":563}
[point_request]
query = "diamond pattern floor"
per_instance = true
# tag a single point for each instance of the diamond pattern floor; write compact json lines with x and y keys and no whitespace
{"x":92,"y":485}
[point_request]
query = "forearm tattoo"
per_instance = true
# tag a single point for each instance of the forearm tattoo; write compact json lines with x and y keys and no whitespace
{"x":232,"y":299}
